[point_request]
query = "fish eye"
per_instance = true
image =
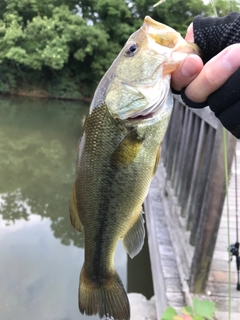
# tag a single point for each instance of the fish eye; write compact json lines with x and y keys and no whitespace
{"x":131,"y":50}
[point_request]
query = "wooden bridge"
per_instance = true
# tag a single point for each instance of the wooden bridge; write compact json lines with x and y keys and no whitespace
{"x":186,"y":216}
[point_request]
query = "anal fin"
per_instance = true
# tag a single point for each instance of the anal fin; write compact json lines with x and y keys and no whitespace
{"x":74,"y":217}
{"x":134,"y":238}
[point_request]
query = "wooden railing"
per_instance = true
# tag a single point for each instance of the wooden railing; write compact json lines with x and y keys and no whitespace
{"x":193,"y":187}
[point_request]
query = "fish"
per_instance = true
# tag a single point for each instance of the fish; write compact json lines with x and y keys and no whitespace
{"x":118,"y":154}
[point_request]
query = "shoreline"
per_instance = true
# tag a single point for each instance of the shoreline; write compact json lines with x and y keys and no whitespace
{"x":43,"y":95}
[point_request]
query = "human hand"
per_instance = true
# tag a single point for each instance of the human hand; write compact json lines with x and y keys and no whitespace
{"x":200,"y":81}
{"x":216,"y":84}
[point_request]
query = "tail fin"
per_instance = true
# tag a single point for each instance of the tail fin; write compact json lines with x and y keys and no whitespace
{"x":105,"y":297}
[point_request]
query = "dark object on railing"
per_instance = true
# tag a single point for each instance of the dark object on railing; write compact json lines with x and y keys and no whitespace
{"x":193,"y":161}
{"x":234,"y":250}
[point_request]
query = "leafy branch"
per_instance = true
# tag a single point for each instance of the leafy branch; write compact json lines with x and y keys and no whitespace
{"x":201,"y":310}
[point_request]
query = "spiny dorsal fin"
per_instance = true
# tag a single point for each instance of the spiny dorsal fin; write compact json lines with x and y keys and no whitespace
{"x":134,"y":238}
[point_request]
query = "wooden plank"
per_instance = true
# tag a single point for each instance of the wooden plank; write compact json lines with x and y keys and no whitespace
{"x":189,"y":208}
{"x":172,"y":137}
{"x":173,"y":153}
{"x":222,"y":304}
{"x":183,"y":251}
{"x":201,"y":183}
{"x":232,"y":223}
{"x":176,"y":299}
{"x":170,"y":272}
{"x":178,"y":154}
{"x":189,"y":164}
{"x":224,"y":231}
{"x":222,"y":245}
{"x":211,"y":213}
{"x":221,"y":265}
{"x":204,"y":114}
{"x":224,"y":316}
{"x":167,"y":285}
{"x":157,"y":271}
{"x":173,"y":285}
{"x":223,"y":276}
{"x":179,"y":238}
{"x":182,"y":153}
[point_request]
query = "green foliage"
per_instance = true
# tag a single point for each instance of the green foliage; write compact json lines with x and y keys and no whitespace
{"x":204,"y":309}
{"x":169,"y":314}
{"x":223,"y":7}
{"x":174,"y":13}
{"x":42,"y":37}
{"x":43,"y":41}
{"x":201,"y":310}
{"x":62,"y":87}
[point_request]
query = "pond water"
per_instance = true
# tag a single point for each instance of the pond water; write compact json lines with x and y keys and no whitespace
{"x":41,"y":254}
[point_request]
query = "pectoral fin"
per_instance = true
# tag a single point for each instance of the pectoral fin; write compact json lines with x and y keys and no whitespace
{"x":74,"y":217}
{"x":157,"y":159}
{"x":134,"y":238}
{"x":127,"y":150}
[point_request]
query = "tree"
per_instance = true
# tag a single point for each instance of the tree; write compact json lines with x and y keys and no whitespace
{"x":174,"y":13}
{"x":221,"y":7}
{"x":65,"y":46}
{"x":48,"y":42}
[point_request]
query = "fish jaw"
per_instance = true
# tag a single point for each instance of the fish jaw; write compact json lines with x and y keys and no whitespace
{"x":169,"y":38}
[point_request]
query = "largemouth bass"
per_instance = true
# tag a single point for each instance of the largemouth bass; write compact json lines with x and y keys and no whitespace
{"x":117,"y":158}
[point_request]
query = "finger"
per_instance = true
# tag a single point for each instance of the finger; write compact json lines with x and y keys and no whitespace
{"x":190,"y":35}
{"x":186,"y":72}
{"x":214,"y":74}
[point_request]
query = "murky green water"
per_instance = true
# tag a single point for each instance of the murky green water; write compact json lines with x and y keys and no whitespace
{"x":41,"y":255}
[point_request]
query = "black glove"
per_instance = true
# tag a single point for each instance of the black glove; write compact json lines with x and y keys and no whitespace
{"x":213,"y":35}
{"x":224,"y":102}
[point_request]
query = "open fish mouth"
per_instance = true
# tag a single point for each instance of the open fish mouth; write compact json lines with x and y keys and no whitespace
{"x":157,"y":110}
{"x":148,"y":101}
{"x":147,"y":113}
{"x":142,"y":117}
{"x":154,"y":106}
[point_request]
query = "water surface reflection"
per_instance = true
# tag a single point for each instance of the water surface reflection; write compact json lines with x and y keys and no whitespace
{"x":41,"y":255}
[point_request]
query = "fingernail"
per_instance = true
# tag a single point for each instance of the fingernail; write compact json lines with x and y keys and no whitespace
{"x":188,"y":69}
{"x":190,"y":27}
{"x":190,"y":35}
{"x":229,"y":60}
